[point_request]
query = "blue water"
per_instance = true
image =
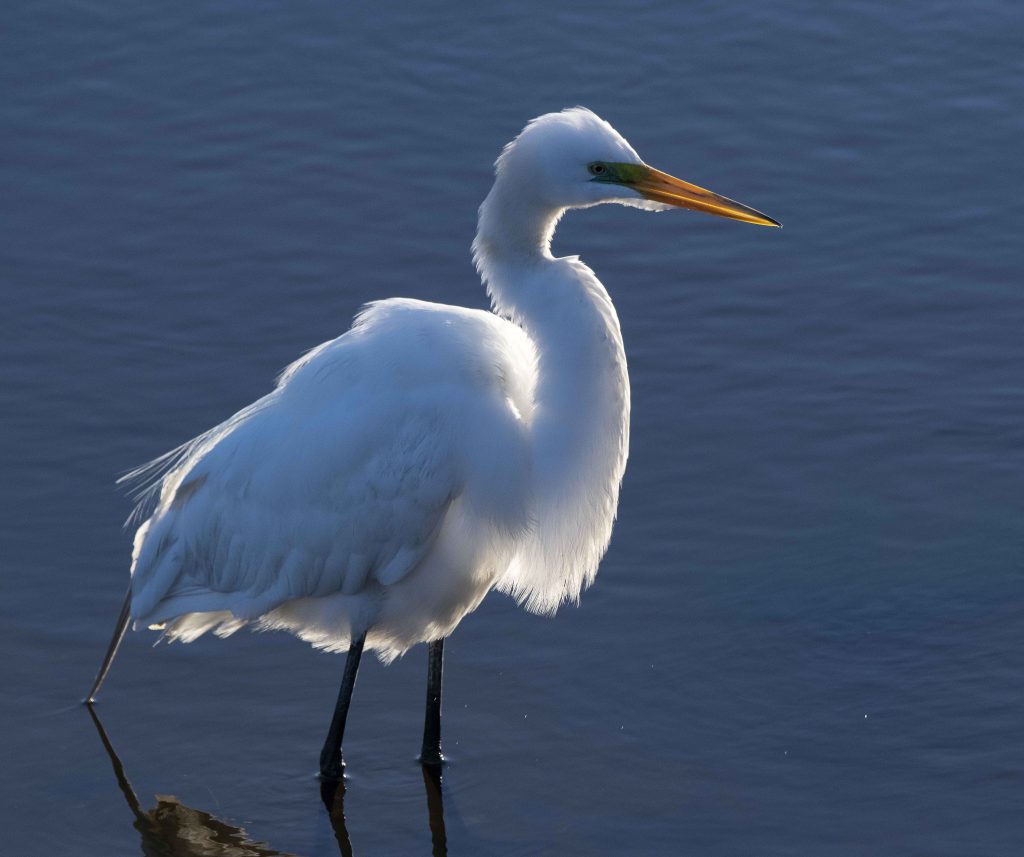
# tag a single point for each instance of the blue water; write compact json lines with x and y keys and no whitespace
{"x":808,"y":635}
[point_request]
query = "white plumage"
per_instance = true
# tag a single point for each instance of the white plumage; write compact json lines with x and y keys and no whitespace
{"x":399,"y":472}
{"x":379,"y":486}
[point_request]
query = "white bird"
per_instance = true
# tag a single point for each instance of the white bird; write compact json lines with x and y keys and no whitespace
{"x":398,"y":473}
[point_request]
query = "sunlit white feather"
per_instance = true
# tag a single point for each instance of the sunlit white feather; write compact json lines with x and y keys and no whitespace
{"x":399,"y":472}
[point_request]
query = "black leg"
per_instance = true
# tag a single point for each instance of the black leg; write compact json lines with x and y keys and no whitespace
{"x":332,"y":765}
{"x":430,"y":754}
{"x":115,"y":642}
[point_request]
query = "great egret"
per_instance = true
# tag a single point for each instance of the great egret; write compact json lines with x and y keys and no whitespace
{"x":398,"y":473}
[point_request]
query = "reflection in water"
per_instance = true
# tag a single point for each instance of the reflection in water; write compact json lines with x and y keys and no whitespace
{"x":332,"y":793}
{"x":435,"y":809}
{"x":172,"y":829}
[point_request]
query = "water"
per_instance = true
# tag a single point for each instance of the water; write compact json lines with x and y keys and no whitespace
{"x":807,"y":636}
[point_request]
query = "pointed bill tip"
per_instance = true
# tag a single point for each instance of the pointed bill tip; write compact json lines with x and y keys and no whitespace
{"x":662,"y":187}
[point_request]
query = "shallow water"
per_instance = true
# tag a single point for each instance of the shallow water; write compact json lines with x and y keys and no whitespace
{"x":807,"y":636}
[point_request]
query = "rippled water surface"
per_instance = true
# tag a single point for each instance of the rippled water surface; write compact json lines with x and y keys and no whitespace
{"x":808,"y":635}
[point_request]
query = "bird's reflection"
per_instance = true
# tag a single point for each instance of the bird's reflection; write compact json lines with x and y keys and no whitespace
{"x":435,"y":809}
{"x":171,"y":829}
{"x":333,"y":795}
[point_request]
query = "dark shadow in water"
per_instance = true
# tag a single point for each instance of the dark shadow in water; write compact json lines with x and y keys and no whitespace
{"x":332,"y":793}
{"x":435,"y":809}
{"x":172,"y":829}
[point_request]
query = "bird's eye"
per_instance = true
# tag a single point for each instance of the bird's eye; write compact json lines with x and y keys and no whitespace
{"x":597,"y":169}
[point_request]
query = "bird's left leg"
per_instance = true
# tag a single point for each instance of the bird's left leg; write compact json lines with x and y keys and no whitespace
{"x":430,"y":754}
{"x":115,"y":643}
{"x":332,"y":765}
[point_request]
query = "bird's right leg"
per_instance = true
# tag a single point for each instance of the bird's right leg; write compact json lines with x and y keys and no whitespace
{"x":115,"y":643}
{"x":430,"y":754}
{"x":332,"y":765}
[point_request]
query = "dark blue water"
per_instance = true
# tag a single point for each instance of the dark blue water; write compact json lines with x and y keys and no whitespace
{"x":808,"y":636}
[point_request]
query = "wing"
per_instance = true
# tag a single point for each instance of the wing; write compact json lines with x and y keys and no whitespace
{"x":337,"y":481}
{"x":282,"y":508}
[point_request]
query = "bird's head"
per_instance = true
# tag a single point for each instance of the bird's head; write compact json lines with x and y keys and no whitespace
{"x":574,"y":159}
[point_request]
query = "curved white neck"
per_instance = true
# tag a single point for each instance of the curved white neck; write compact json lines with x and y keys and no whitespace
{"x":580,"y":422}
{"x":512,"y":227}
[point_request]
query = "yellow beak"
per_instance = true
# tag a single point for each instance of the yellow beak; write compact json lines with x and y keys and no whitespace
{"x":661,"y":187}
